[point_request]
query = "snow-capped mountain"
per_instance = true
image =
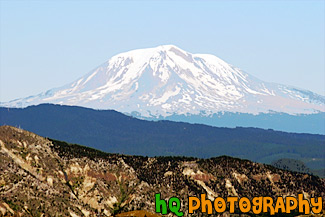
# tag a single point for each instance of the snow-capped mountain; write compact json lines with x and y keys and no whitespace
{"x":167,"y":80}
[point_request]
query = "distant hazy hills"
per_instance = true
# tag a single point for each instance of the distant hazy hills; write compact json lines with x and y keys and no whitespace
{"x":114,"y":132}
{"x":167,"y":82}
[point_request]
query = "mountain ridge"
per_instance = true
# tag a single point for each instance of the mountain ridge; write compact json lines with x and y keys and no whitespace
{"x":42,"y":177}
{"x":167,"y":80}
{"x":114,"y":132}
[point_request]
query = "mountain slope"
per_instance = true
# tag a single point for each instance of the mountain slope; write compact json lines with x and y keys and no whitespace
{"x":46,"y":177}
{"x":114,"y":132}
{"x":166,"y":80}
{"x":297,"y":166}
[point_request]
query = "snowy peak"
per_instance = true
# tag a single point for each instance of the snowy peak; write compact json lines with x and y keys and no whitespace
{"x":167,"y":80}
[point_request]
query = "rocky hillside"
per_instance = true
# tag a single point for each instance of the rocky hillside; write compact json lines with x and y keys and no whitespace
{"x":41,"y":176}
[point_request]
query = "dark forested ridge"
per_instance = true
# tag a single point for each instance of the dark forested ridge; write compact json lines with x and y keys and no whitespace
{"x":115,"y":132}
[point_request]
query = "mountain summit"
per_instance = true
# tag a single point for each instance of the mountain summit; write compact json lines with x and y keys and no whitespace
{"x":167,"y":80}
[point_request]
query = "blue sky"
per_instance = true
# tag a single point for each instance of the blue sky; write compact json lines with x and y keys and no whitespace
{"x":46,"y":44}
